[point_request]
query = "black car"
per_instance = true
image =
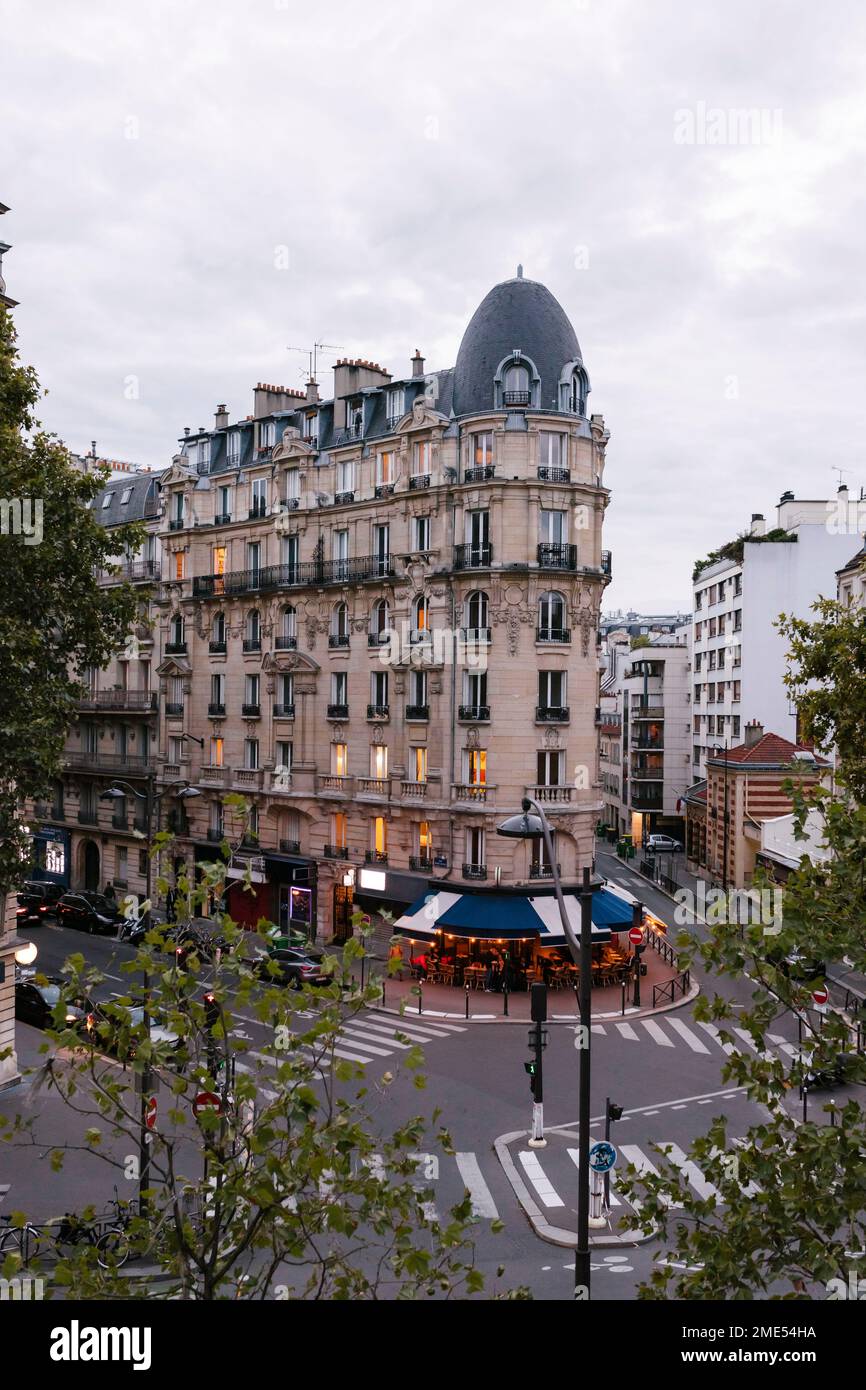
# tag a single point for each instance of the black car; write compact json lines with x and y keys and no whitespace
{"x":837,"y":1073}
{"x":103,"y":1027}
{"x":89,"y":912}
{"x":798,"y":966}
{"x":296,"y":967}
{"x":35,"y":1003}
{"x":36,"y":901}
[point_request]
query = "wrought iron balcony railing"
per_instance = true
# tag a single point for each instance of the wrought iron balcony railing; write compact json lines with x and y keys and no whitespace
{"x":552,"y":634}
{"x":557,"y":555}
{"x":473,"y":556}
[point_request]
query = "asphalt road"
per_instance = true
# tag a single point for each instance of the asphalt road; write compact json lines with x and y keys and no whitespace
{"x":666,"y":1072}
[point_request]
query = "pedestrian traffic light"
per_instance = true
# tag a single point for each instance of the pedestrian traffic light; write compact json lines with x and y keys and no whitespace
{"x":531,"y":1068}
{"x":614,"y":1112}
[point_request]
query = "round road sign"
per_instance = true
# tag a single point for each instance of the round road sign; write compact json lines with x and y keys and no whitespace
{"x":602,"y":1157}
{"x":150,"y":1113}
{"x":206,"y":1102}
{"x":635,"y":935}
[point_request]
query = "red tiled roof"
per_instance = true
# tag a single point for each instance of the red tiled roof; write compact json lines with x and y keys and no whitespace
{"x":771,"y":748}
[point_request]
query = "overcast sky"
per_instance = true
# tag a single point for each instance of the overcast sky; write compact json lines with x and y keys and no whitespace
{"x":196,"y":187}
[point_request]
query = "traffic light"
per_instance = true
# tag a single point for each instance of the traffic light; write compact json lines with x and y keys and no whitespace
{"x":614,"y":1112}
{"x":531,"y":1068}
{"x":538,"y":1002}
{"x":211,"y":1011}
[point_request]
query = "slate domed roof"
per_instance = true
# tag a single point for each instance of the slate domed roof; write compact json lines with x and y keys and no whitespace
{"x":515,"y":314}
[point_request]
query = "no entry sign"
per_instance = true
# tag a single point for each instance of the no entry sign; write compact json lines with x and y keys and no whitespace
{"x":206,"y":1102}
{"x":150,"y":1113}
{"x":821,"y":997}
{"x":635,"y":935}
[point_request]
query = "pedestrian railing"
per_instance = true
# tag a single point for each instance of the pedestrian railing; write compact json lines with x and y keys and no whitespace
{"x":667,"y":993}
{"x":663,"y":948}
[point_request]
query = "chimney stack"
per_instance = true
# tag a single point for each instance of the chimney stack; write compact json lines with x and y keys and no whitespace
{"x":754,"y":732}
{"x":758,"y":525}
{"x":417,"y":364}
{"x":312,"y":391}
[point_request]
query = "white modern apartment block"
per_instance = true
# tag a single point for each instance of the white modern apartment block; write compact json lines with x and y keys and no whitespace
{"x":739,"y":657}
{"x":645,"y":737}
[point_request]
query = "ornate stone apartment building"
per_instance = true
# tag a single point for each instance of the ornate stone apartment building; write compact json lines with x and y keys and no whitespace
{"x":377,"y":622}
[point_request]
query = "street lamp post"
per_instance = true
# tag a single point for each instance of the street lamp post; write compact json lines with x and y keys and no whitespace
{"x":534,"y":825}
{"x":151,"y":800}
{"x":725,"y":819}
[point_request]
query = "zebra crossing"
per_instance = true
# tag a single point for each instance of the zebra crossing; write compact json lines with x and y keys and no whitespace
{"x":362,"y":1039}
{"x":705,"y":1038}
{"x":555,"y":1172}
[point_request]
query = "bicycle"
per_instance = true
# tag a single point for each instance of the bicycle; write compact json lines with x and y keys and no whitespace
{"x":28,"y":1241}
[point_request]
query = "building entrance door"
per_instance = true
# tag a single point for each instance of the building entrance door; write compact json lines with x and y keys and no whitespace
{"x":343,"y":901}
{"x":91,"y":867}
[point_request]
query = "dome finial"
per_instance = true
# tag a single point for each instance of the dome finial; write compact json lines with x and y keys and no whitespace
{"x":520,"y":272}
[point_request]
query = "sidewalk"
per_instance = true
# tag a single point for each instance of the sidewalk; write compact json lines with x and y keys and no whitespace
{"x":402,"y":994}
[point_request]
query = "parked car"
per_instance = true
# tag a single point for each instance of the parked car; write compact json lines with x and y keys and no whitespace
{"x":104,"y":1029}
{"x":89,"y":912}
{"x":663,"y":843}
{"x":297,"y":967}
{"x":838,"y":1073}
{"x":35,"y":1003}
{"x":36,"y":901}
{"x":797,"y":965}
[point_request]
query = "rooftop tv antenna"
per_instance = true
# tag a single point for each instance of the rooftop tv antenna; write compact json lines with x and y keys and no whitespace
{"x":312,"y":355}
{"x":840,"y":471}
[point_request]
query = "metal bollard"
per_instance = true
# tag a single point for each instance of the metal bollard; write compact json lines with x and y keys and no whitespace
{"x":420,"y":995}
{"x":505,"y":1003}
{"x":466,"y":992}
{"x":622,"y":1010}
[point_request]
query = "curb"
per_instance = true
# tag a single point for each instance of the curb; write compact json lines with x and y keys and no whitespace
{"x":553,"y":1235}
{"x":556,"y":1019}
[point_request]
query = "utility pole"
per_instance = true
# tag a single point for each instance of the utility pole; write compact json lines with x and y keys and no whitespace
{"x":611,"y":1113}
{"x":537,"y":1044}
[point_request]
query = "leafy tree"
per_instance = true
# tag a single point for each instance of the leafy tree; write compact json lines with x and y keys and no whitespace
{"x":285,"y":1193}
{"x":55,"y":619}
{"x":792,"y":1214}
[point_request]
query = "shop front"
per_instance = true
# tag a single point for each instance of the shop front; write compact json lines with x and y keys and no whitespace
{"x":51,"y":854}
{"x":498,"y":941}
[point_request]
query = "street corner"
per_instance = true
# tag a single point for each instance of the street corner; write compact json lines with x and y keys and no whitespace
{"x":545,"y":1182}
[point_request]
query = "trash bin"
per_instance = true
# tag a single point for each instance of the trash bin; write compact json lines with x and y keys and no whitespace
{"x":630,"y":851}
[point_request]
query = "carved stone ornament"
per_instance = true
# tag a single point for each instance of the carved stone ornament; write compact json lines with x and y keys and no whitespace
{"x":551,"y":737}
{"x":378,"y":738}
{"x":472,"y":738}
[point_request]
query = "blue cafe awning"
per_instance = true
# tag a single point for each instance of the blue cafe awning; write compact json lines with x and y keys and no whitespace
{"x":507,"y":916}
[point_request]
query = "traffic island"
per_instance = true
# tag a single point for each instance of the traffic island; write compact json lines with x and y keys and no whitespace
{"x":545,"y":1183}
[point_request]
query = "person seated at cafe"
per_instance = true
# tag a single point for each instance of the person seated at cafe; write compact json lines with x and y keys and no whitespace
{"x":493,"y":961}
{"x":419,"y":963}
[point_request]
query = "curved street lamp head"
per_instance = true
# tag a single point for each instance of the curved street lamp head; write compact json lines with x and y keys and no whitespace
{"x":524,"y":827}
{"x":112,"y":794}
{"x":186,"y":792}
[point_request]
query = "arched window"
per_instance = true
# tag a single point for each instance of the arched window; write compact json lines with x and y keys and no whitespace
{"x":577,"y":403}
{"x":551,"y":617}
{"x":516,"y":385}
{"x":340,"y":620}
{"x":421,"y":614}
{"x":177,"y":630}
{"x":289,"y":621}
{"x":475,"y":610}
{"x":381,"y":619}
{"x":254,"y":629}
{"x":219,"y":627}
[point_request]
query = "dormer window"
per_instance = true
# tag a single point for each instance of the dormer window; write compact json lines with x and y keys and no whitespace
{"x":516,"y":386}
{"x":573,"y":388}
{"x":267,"y":434}
{"x":396,"y":405}
{"x":106,"y":501}
{"x":233,"y":448}
{"x":125,"y":496}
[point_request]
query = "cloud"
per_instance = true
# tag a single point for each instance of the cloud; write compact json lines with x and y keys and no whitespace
{"x":167,"y":160}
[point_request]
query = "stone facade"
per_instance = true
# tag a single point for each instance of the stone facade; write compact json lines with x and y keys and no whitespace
{"x":355,"y":633}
